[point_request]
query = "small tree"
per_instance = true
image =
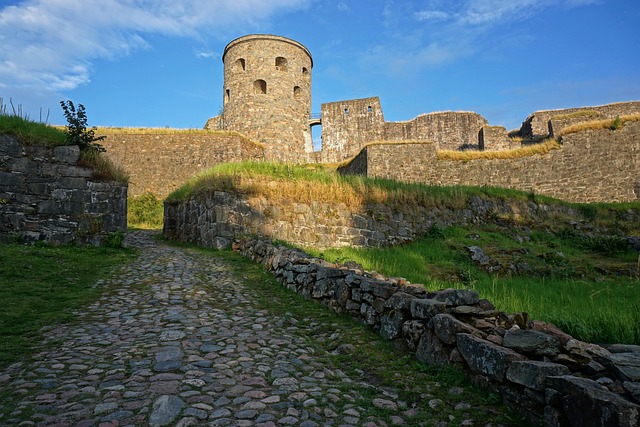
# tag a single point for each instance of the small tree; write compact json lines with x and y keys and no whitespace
{"x":77,"y":132}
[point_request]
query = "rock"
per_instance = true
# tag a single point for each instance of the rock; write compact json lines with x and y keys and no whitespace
{"x":430,"y":350}
{"x":165,"y":410}
{"x":623,"y":348}
{"x":485,"y":357}
{"x":627,"y":365}
{"x":456,"y":297}
{"x":445,"y":326}
{"x":412,"y":331}
{"x":400,"y":301}
{"x":586,"y":403}
{"x":532,"y":342}
{"x":391,"y":324}
{"x":426,"y":308}
{"x":551,"y":329}
{"x":633,"y":388}
{"x":385,"y":404}
{"x":477,"y":255}
{"x":532,"y":374}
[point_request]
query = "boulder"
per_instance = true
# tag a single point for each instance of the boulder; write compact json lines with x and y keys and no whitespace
{"x":431,"y":350}
{"x":391,"y":324}
{"x":486,"y":357}
{"x":532,"y":374}
{"x":531,"y":342}
{"x":426,"y":308}
{"x":446,"y":327}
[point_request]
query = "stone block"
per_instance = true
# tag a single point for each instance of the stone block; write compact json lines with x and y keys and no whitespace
{"x":446,"y":327}
{"x":456,"y":297}
{"x":533,"y":374}
{"x":10,"y":146}
{"x":532,"y":342}
{"x":412,"y":330}
{"x":66,"y":154}
{"x":588,"y":404}
{"x":391,"y":324}
{"x":431,"y":350}
{"x":400,"y":301}
{"x":426,"y":308}
{"x":486,"y":357}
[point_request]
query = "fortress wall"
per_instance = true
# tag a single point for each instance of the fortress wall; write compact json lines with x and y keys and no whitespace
{"x":537,"y":124}
{"x":160,"y":163}
{"x":592,"y":166}
{"x":348,"y":125}
{"x":450,"y":130}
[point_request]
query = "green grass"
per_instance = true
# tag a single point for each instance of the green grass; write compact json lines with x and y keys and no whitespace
{"x":145,"y":211}
{"x":42,"y":285}
{"x":589,"y":289}
{"x":29,"y":132}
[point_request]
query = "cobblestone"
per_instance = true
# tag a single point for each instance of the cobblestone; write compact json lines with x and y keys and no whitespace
{"x":178,"y":341}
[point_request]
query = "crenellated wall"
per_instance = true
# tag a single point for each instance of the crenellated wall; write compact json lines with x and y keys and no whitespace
{"x":591,"y":166}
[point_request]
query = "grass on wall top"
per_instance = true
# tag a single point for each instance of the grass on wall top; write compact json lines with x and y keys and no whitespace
{"x":516,"y":153}
{"x":611,"y":124}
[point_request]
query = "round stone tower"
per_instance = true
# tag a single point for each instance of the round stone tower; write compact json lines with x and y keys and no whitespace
{"x":267,"y":93}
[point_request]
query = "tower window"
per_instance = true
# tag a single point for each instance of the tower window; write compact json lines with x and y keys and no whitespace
{"x":260,"y":87}
{"x":346,"y":111}
{"x":296,"y":92}
{"x":305,"y":72}
{"x":369,"y":109}
{"x":227,"y":94}
{"x":240,"y":64}
{"x":281,"y":63}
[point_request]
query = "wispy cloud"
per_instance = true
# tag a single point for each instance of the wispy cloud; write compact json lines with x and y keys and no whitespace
{"x":451,"y":30}
{"x":53,"y":44}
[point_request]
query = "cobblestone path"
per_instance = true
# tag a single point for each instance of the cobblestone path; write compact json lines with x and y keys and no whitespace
{"x":176,"y":342}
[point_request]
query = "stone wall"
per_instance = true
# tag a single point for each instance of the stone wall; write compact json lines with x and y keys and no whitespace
{"x":216,"y":218}
{"x":347,"y":126}
{"x":160,"y":162}
{"x":550,"y":377}
{"x":46,"y":195}
{"x":537,"y":124}
{"x":592,"y":166}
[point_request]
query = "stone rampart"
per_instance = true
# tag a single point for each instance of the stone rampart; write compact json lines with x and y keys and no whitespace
{"x":46,"y":195}
{"x":591,"y":166}
{"x":160,"y":162}
{"x":537,"y":124}
{"x":216,"y":218}
{"x":549,"y":376}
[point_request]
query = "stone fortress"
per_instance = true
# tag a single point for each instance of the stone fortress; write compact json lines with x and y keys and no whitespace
{"x":267,"y":115}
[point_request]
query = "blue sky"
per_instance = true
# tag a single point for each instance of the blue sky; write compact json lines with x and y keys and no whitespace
{"x":158,"y":63}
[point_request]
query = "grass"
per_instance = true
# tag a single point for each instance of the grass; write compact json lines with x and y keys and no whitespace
{"x":611,"y":124}
{"x":588,"y":288}
{"x":29,"y":132}
{"x":145,"y":211}
{"x":42,"y":285}
{"x":374,"y":360}
{"x":516,"y":153}
{"x":284,"y":183}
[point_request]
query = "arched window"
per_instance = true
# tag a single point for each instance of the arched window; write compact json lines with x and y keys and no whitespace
{"x":227,"y":95}
{"x":305,"y":72}
{"x":281,"y":63}
{"x":296,"y":92}
{"x":260,"y":87}
{"x":240,"y":64}
{"x":369,"y":109}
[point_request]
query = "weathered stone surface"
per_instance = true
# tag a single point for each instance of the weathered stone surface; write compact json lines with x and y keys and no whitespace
{"x":627,"y":365}
{"x":456,"y":297}
{"x":586,"y":403}
{"x":400,"y":301}
{"x":485,"y":357}
{"x":391,"y":324}
{"x":165,"y":410}
{"x":67,"y":154}
{"x":533,"y":374}
{"x":446,"y":327}
{"x":532,"y":342}
{"x":426,"y":308}
{"x":431,"y":350}
{"x":633,"y":388}
{"x":412,"y":331}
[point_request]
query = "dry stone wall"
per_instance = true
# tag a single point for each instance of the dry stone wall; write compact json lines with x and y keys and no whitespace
{"x":592,"y":166}
{"x":161,"y":162}
{"x":45,"y":195}
{"x":549,"y":376}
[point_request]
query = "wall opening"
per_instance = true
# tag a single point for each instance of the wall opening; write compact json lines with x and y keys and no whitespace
{"x":241,"y":64}
{"x":281,"y":63}
{"x":346,"y":111}
{"x":260,"y":87}
{"x":227,"y":95}
{"x":297,"y":92}
{"x":305,"y":72}
{"x":369,"y":109}
{"x":316,"y":136}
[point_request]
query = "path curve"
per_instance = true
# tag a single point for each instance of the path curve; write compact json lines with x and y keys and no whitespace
{"x":177,"y":343}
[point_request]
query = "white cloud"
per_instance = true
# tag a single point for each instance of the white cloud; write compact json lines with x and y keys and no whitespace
{"x":343,"y":7}
{"x":431,"y":15}
{"x":52,"y":44}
